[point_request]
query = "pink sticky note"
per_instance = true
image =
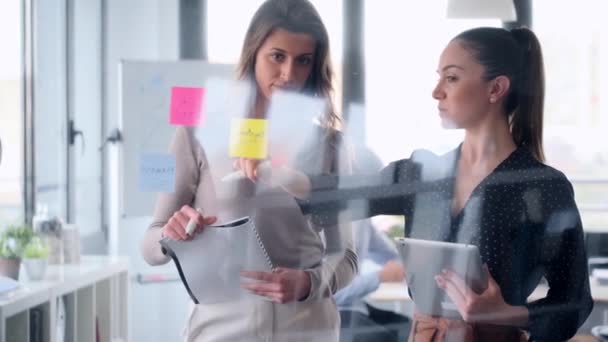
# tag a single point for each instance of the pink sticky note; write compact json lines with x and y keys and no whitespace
{"x":187,"y":106}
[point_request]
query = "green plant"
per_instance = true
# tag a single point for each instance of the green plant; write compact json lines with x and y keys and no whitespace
{"x":395,"y":231}
{"x":36,"y":249}
{"x":14,"y":239}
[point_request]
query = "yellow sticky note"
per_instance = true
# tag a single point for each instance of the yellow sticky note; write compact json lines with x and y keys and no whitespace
{"x":249,"y":138}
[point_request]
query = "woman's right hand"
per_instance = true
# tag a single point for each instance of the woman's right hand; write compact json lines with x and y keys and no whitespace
{"x":294,"y":182}
{"x":254,"y":169}
{"x":175,"y":228}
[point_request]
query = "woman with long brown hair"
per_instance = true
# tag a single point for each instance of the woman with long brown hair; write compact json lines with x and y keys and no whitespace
{"x":286,"y":48}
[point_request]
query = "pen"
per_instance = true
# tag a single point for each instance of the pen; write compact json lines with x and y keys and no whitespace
{"x":192,"y":223}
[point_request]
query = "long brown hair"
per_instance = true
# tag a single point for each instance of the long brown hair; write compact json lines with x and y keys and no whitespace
{"x":298,"y":16}
{"x":517,"y":55}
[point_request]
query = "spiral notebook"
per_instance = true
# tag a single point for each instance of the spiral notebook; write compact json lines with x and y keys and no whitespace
{"x":209,"y":265}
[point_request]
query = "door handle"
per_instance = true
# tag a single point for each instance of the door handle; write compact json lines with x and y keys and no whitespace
{"x":114,"y":137}
{"x":73,"y":133}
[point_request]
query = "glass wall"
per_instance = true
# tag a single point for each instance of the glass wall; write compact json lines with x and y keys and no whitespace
{"x":11,"y":114}
{"x":115,"y":64}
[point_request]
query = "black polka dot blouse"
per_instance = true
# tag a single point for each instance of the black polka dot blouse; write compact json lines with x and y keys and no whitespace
{"x":522,"y":216}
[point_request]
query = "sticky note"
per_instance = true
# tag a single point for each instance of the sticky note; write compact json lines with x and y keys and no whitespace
{"x":291,"y":118}
{"x":289,"y":108}
{"x":248,"y":138}
{"x":187,"y":106}
{"x":157,"y":173}
{"x":227,"y":97}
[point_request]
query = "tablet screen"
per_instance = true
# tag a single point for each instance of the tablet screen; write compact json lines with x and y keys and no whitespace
{"x":424,"y":259}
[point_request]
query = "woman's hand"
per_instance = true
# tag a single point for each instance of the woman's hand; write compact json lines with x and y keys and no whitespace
{"x":392,"y":272}
{"x":294,"y":182}
{"x":283,"y":285}
{"x":254,"y":169}
{"x":486,"y":307}
{"x":176,"y":226}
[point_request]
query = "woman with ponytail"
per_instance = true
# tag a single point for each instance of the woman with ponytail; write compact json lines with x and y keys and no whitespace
{"x":492,"y":191}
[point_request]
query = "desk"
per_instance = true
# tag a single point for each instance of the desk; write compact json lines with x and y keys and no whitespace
{"x":389,"y":292}
{"x":396,"y":297}
{"x":95,"y":293}
{"x":398,"y":292}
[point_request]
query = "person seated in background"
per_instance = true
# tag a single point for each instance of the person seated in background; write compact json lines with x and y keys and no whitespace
{"x":361,"y":321}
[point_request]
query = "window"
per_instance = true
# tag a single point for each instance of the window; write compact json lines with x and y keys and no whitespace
{"x":575,"y":47}
{"x":402,"y":45}
{"x":225,"y":37}
{"x":11,"y":117}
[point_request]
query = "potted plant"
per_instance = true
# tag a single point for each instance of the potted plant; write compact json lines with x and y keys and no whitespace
{"x":35,"y":258}
{"x":12,"y":243}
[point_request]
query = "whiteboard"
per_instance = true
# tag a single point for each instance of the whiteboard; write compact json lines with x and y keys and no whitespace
{"x":145,"y":97}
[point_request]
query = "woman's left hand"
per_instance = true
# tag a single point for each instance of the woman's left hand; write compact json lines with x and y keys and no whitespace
{"x":283,"y":285}
{"x":486,"y":307}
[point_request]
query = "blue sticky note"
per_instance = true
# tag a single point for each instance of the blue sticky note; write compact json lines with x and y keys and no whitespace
{"x":157,"y":173}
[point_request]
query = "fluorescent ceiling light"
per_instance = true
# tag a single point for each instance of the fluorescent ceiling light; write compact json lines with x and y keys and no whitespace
{"x":482,"y":9}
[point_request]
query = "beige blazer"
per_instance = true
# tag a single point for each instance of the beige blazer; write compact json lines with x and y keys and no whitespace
{"x":288,"y":245}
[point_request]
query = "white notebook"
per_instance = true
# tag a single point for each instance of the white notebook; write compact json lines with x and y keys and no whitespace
{"x":209,"y":265}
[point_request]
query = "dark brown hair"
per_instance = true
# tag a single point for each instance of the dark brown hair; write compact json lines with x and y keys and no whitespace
{"x":298,"y":16}
{"x":517,"y":55}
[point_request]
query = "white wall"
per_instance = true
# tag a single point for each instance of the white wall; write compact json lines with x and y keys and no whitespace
{"x":140,"y":30}
{"x":50,"y":94}
{"x":85,"y":110}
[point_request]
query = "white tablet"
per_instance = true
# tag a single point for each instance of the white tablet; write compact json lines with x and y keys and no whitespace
{"x":424,"y":259}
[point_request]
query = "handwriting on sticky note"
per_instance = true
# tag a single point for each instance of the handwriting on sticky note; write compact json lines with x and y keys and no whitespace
{"x":187,"y":106}
{"x":157,"y":173}
{"x":248,"y":138}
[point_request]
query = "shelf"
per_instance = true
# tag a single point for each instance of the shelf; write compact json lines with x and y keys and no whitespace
{"x":103,"y":308}
{"x":85,"y":319}
{"x":18,"y":327}
{"x":93,"y":294}
{"x":71,"y":317}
